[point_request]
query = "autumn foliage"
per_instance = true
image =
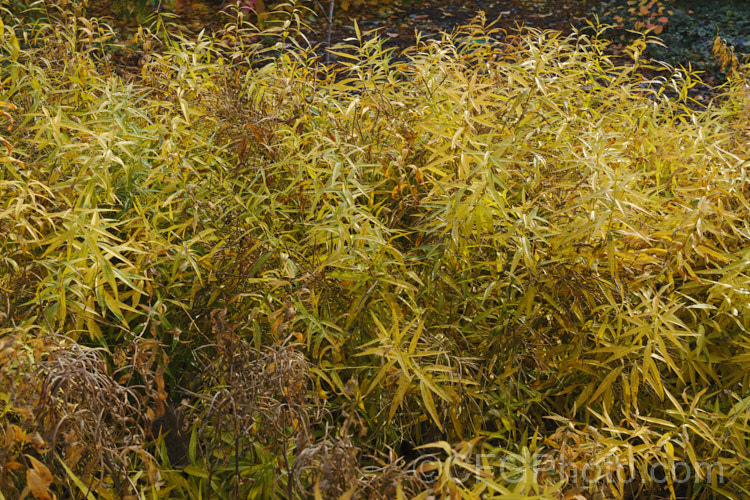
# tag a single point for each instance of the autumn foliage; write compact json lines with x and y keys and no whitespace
{"x":495,"y":266}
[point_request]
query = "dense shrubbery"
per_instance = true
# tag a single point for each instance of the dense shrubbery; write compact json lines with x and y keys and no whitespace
{"x":485,"y":269}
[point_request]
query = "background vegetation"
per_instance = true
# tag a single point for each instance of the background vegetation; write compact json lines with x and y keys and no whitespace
{"x":482,"y":270}
{"x":687,"y":27}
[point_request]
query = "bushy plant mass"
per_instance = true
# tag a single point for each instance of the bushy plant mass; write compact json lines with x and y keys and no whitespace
{"x":477,"y":270}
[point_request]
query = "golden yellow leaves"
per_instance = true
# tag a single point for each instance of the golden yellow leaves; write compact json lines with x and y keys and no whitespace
{"x":726,"y":55}
{"x":8,"y":146}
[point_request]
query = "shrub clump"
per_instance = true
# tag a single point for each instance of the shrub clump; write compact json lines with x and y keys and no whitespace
{"x":478,"y":269}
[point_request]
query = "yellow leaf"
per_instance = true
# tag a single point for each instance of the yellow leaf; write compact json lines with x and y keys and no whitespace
{"x":348,"y":493}
{"x":670,"y":449}
{"x":318,"y":494}
{"x":611,"y":376}
{"x":430,"y":405}
{"x":86,"y":489}
{"x":403,"y":385}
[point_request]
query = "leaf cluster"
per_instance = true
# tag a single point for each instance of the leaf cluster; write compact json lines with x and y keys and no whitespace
{"x":477,"y":270}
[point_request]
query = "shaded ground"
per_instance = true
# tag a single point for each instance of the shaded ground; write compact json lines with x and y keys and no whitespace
{"x":397,"y":25}
{"x":431,"y":18}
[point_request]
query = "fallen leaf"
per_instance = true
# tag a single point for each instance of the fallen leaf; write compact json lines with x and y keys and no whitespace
{"x":38,"y":479}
